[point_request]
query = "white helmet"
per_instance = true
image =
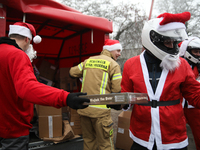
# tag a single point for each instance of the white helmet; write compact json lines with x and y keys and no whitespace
{"x":158,"y":30}
{"x":190,"y":44}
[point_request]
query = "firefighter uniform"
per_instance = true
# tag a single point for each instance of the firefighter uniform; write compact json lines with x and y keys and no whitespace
{"x":101,"y":75}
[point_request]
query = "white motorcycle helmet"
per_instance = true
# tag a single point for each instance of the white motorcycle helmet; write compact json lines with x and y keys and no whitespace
{"x":194,"y":44}
{"x":154,"y":35}
{"x":187,"y":45}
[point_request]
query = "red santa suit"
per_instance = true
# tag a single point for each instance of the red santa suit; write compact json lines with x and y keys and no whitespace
{"x":19,"y":90}
{"x":192,"y":116}
{"x":163,"y":124}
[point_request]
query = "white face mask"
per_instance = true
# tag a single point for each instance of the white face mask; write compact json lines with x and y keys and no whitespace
{"x":32,"y":54}
{"x":170,"y":62}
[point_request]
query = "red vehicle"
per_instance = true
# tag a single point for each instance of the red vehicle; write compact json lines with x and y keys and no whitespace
{"x":68,"y":36}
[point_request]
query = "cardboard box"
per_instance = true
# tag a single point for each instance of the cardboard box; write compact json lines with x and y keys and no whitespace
{"x":123,"y":140}
{"x":45,"y":81}
{"x":64,"y":73}
{"x":50,"y":126}
{"x":69,"y":84}
{"x":47,"y":110}
{"x":65,"y":113}
{"x":75,"y":122}
{"x":47,"y":70}
{"x":66,"y":82}
{"x":65,"y":109}
{"x":67,"y":133}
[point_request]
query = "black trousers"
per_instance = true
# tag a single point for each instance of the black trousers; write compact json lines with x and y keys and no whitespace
{"x":20,"y":143}
{"x":137,"y":146}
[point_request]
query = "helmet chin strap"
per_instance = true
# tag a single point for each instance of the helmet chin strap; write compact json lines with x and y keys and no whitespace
{"x":191,"y":58}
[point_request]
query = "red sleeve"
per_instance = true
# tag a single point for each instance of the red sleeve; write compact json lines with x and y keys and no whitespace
{"x":190,"y":87}
{"x":126,"y":83}
{"x":28,"y":88}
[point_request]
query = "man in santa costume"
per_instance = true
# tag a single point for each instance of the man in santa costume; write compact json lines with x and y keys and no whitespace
{"x":190,"y":50}
{"x":164,"y":76}
{"x":20,"y":90}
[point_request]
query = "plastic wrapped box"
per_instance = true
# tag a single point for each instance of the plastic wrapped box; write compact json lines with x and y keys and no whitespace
{"x":117,"y":98}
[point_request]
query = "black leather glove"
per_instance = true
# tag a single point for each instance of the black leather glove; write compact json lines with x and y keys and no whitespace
{"x":75,"y":102}
{"x":116,"y":107}
{"x":125,"y":106}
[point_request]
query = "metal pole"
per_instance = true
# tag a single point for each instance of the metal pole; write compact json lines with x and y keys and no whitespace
{"x":24,"y":17}
{"x":151,"y":9}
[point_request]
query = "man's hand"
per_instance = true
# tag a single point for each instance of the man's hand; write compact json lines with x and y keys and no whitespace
{"x":75,"y":102}
{"x":125,"y":106}
{"x":116,"y":107}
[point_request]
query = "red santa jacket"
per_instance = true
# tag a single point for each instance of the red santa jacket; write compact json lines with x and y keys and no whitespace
{"x":164,"y":124}
{"x":19,"y":90}
{"x":196,"y":74}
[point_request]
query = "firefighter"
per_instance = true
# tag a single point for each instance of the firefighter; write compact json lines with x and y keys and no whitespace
{"x":190,"y":50}
{"x":101,"y":75}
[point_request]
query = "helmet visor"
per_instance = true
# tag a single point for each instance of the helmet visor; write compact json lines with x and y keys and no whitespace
{"x":168,"y":41}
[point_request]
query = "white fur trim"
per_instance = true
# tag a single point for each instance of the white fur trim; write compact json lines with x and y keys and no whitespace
{"x":32,"y":54}
{"x":170,"y":62}
{"x":37,"y":39}
{"x":184,"y":45}
{"x":15,"y":29}
{"x":113,"y":47}
{"x":171,"y":26}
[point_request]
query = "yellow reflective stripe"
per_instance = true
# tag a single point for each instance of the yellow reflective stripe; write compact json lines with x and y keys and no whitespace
{"x":104,"y":83}
{"x":80,"y":66}
{"x":99,"y":106}
{"x":111,"y":132}
{"x":84,"y":74}
{"x":98,"y":64}
{"x":117,"y":76}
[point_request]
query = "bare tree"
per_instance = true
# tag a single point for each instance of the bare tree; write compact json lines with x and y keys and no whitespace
{"x":127,"y":18}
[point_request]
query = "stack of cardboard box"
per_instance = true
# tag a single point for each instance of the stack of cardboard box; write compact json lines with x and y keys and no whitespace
{"x":66,"y":82}
{"x":47,"y":70}
{"x":75,"y":122}
{"x":74,"y":119}
{"x":49,"y":121}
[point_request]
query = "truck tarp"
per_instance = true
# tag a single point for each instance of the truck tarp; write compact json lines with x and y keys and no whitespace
{"x":68,"y":36}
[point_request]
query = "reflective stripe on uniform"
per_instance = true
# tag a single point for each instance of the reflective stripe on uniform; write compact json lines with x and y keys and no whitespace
{"x":102,"y":88}
{"x":117,"y":76}
{"x":98,"y":64}
{"x":84,"y":74}
{"x":100,"y":106}
{"x":104,"y":83}
{"x":80,"y":66}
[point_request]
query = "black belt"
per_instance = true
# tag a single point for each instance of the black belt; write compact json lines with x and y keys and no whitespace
{"x":155,"y":103}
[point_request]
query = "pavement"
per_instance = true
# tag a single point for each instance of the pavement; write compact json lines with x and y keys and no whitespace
{"x":191,"y":145}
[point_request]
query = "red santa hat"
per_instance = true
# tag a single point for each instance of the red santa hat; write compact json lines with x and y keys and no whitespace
{"x":170,"y":21}
{"x":112,"y":45}
{"x":184,"y":44}
{"x":25,"y":29}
